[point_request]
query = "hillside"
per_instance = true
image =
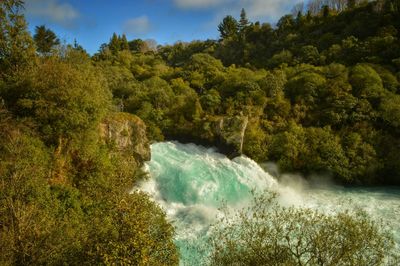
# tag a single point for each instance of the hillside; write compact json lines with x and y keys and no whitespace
{"x":320,"y":90}
{"x":317,"y":94}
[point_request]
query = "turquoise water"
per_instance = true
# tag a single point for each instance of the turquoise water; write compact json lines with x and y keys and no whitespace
{"x":191,"y":183}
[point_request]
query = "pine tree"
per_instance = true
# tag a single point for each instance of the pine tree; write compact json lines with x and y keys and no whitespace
{"x":124,"y":45}
{"x":299,"y":18}
{"x":45,"y":39}
{"x":16,"y":44}
{"x":325,"y":11}
{"x":114,"y":44}
{"x":228,"y":28}
{"x":243,"y":22}
{"x":308,"y":16}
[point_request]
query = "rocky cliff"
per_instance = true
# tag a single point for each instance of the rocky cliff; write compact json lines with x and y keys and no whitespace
{"x":230,"y":133}
{"x":224,"y":132}
{"x":127,"y":133}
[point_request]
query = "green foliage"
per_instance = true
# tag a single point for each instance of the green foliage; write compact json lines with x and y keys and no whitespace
{"x":45,"y":39}
{"x":211,"y":100}
{"x":366,"y":82}
{"x":309,"y":54}
{"x":269,"y":234}
{"x":64,"y":192}
{"x":136,"y":45}
{"x":321,"y":93}
{"x":139,"y":235}
{"x":255,"y":141}
{"x":313,"y":88}
{"x":243,"y":22}
{"x":35,"y":228}
{"x":90,"y":218}
{"x":305,"y":87}
{"x":316,"y":150}
{"x":283,"y":57}
{"x":363,"y":159}
{"x":16,"y":45}
{"x":390,"y":110}
{"x":114,"y":44}
{"x":62,"y":98}
{"x":228,"y":28}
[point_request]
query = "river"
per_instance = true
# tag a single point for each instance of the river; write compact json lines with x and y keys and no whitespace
{"x":192,"y":182}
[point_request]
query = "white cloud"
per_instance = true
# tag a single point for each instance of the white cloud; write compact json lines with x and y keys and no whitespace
{"x":267,"y":9}
{"x":199,"y":4}
{"x":264,"y":10}
{"x":54,"y":11}
{"x":139,"y":25}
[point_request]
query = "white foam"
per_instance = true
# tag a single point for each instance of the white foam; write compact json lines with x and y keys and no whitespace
{"x":192,"y":182}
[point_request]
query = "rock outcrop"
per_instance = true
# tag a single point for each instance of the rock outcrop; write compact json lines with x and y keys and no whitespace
{"x":128,"y":134}
{"x":230,"y":131}
{"x":226,"y":133}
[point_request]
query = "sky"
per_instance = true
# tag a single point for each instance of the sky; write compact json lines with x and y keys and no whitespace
{"x":92,"y":22}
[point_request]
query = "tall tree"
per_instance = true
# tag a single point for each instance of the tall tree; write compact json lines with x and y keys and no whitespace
{"x":124,"y":43}
{"x":45,"y":39}
{"x":136,"y":45}
{"x":16,"y":45}
{"x":325,"y":11}
{"x":114,"y":44}
{"x":243,"y":22}
{"x":228,"y":28}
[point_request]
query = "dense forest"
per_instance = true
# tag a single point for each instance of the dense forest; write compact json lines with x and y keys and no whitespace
{"x":320,"y":91}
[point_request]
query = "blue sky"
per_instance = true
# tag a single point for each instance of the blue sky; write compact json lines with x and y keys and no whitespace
{"x":92,"y":22}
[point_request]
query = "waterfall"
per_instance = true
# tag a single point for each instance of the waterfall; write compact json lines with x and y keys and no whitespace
{"x":191,"y":183}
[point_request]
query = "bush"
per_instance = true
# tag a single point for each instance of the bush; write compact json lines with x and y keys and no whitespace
{"x":269,"y":234}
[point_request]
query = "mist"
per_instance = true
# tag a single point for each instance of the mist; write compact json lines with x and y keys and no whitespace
{"x":192,"y":184}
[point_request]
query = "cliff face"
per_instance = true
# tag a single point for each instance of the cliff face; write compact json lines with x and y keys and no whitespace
{"x":224,"y":132}
{"x":128,"y":134}
{"x":230,"y":131}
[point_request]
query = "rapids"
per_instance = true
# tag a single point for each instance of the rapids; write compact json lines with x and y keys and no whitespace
{"x":191,"y":183}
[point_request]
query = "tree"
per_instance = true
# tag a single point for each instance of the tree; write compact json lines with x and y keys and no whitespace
{"x":351,"y":4}
{"x":283,"y":57}
{"x":297,"y":9}
{"x":390,"y":110}
{"x":151,"y":45}
{"x":16,"y":45}
{"x":299,"y":18}
{"x":65,"y":100}
{"x":228,"y":28}
{"x":269,"y":234}
{"x":285,"y":23}
{"x":243,"y":22}
{"x":305,"y":87}
{"x":34,"y":228}
{"x":309,"y":54}
{"x":211,"y":100}
{"x":366,"y":82}
{"x":137,"y":45}
{"x":139,"y":234}
{"x":325,"y":11}
{"x":124,"y":43}
{"x":45,"y":40}
{"x":114,"y":45}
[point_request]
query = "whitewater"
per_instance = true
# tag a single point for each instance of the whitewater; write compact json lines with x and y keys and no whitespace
{"x":191,"y":183}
